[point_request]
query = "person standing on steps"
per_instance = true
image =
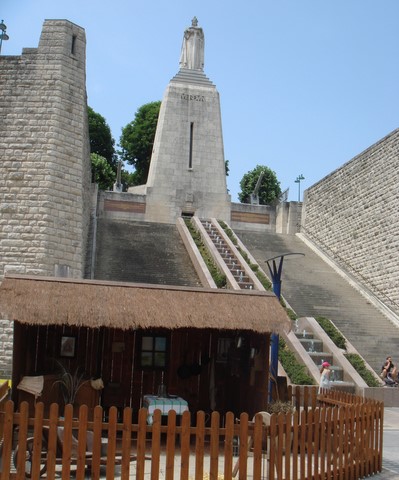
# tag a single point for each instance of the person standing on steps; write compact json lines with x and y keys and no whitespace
{"x":325,"y":374}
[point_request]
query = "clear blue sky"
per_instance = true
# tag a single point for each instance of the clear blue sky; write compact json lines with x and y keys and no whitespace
{"x":305,"y":85}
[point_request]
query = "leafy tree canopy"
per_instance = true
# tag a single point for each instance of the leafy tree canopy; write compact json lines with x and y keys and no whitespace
{"x":269,"y":189}
{"x":102,"y":172}
{"x":137,"y":140}
{"x":101,"y":141}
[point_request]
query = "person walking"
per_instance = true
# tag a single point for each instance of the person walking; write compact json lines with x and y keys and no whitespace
{"x":325,"y":374}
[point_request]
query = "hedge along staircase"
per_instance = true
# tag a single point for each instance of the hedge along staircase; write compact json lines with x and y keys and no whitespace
{"x":315,"y":347}
{"x":310,"y":346}
{"x":227,"y":258}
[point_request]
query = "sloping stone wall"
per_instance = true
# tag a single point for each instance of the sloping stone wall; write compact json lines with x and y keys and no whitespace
{"x":353,"y":214}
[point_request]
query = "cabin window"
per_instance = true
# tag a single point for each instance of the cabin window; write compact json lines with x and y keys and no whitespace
{"x":153,"y":352}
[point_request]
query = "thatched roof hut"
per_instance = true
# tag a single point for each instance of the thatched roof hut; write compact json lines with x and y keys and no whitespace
{"x":60,"y":301}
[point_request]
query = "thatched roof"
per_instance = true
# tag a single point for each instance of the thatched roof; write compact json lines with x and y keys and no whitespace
{"x":93,"y":303}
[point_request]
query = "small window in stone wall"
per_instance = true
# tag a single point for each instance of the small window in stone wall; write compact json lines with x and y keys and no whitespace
{"x":153,"y":352}
{"x":73,"y":45}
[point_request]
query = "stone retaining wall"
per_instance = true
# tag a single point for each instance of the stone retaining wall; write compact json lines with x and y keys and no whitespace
{"x":45,"y":161}
{"x":352,"y":214}
{"x":44,"y":148}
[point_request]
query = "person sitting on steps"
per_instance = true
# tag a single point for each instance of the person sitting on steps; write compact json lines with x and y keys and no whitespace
{"x":389,"y":372}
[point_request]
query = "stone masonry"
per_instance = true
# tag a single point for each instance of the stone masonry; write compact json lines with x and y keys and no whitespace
{"x":353,"y":215}
{"x":44,"y":149}
{"x":187,"y":172}
{"x":45,"y":158}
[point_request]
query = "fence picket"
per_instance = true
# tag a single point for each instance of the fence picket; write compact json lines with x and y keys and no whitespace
{"x":126,"y":443}
{"x":214,"y":446}
{"x":228,"y":446}
{"x":155,"y":443}
{"x":185,"y":446}
{"x":52,"y":441}
{"x":22,"y":439}
{"x":199,"y":446}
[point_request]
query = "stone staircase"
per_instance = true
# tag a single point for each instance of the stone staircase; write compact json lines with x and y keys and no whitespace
{"x":135,"y":251}
{"x":315,"y":349}
{"x":313,"y":288}
{"x":233,"y":263}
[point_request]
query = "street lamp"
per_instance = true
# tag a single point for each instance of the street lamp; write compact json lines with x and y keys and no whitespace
{"x":275,"y":273}
{"x":298,"y":181}
{"x":3,"y":35}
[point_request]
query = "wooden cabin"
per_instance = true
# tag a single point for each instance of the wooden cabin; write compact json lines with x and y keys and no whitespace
{"x":209,"y":347}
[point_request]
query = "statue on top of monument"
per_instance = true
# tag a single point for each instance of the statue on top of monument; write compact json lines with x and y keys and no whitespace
{"x":192,"y":50}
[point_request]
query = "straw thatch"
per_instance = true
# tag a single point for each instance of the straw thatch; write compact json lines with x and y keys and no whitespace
{"x":60,"y":301}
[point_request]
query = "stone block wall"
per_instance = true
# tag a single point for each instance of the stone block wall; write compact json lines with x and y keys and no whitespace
{"x":6,"y":346}
{"x":45,"y":174}
{"x":353,"y":214}
{"x":44,"y":151}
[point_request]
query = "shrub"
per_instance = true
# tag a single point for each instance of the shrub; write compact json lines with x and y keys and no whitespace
{"x":358,"y":363}
{"x":292,"y":315}
{"x":295,"y":371}
{"x":218,"y":277}
{"x":280,"y":407}
{"x":332,"y":332}
{"x":228,"y":231}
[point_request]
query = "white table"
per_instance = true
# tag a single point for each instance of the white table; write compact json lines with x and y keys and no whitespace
{"x":165,"y":404}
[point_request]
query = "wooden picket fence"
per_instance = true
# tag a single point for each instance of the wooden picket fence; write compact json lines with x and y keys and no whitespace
{"x":332,"y":435}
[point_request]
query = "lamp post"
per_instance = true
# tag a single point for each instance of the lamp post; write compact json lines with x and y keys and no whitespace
{"x":298,"y":181}
{"x":3,"y":35}
{"x":275,"y":273}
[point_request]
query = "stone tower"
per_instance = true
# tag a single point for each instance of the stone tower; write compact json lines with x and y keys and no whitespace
{"x":45,"y":157}
{"x":187,"y":172}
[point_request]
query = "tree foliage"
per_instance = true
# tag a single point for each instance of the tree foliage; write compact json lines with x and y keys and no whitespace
{"x":137,"y":140}
{"x":101,"y":141}
{"x":269,"y":189}
{"x":102,"y":172}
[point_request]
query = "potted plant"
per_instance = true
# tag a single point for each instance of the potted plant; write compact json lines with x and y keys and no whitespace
{"x":70,"y":383}
{"x":278,"y":406}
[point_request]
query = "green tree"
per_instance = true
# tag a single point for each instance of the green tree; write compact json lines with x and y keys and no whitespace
{"x":269,"y":189}
{"x":102,"y":172}
{"x":101,"y":141}
{"x":137,"y":140}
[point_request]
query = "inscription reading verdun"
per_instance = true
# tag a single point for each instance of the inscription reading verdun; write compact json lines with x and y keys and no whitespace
{"x":196,"y":98}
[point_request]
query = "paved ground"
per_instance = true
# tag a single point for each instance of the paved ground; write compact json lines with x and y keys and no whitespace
{"x":390,"y":461}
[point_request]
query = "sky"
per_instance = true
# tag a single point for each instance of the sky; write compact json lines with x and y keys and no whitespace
{"x":305,"y":85}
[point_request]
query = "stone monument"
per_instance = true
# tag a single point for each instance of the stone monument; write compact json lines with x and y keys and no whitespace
{"x":187,"y":172}
{"x":192,"y":51}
